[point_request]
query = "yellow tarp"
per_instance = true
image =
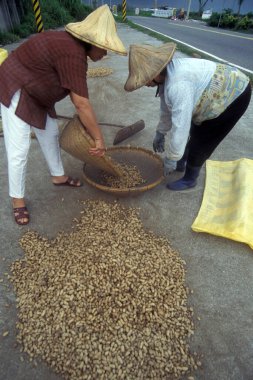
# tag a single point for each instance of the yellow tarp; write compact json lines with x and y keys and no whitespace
{"x":3,"y":55}
{"x":227,"y":206}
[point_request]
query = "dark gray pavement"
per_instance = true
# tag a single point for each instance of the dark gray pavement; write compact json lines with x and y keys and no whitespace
{"x":219,"y":271}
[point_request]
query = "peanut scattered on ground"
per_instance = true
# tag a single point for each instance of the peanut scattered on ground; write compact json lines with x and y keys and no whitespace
{"x":98,"y":72}
{"x":105,"y":301}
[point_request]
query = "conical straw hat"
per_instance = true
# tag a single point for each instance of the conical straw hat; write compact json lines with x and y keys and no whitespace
{"x":99,"y":29}
{"x":146,"y":62}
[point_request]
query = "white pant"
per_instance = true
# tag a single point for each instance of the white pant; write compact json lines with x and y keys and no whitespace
{"x":17,"y":137}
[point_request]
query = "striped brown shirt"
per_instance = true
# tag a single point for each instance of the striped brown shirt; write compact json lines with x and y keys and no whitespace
{"x":46,"y":68}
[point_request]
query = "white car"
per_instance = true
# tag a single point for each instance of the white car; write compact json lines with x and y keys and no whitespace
{"x":207,"y":14}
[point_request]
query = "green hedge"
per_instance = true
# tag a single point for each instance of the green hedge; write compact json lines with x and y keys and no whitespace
{"x":55,"y":13}
{"x":77,"y":10}
{"x":231,"y":21}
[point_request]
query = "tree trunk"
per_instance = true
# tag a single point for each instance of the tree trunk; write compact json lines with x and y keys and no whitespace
{"x":202,"y":4}
{"x":239,"y":7}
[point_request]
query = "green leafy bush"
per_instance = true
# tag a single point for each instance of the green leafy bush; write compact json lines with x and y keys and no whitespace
{"x":214,"y":19}
{"x":243,"y":23}
{"x":228,"y":21}
{"x":8,"y":38}
{"x":54,"y":15}
{"x":77,"y":10}
{"x":27,"y":26}
{"x":26,"y":5}
{"x":23,"y":31}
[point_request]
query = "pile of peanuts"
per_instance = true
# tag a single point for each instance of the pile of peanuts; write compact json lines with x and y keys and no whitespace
{"x":130,"y":176}
{"x":107,"y":300}
{"x":98,"y":72}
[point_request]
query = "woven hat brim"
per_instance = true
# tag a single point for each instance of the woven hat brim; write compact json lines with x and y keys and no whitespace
{"x":98,"y":29}
{"x":106,"y":47}
{"x":132,"y":83}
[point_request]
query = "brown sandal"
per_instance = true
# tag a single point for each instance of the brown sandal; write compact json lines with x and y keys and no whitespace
{"x":21,"y":215}
{"x":72,"y":182}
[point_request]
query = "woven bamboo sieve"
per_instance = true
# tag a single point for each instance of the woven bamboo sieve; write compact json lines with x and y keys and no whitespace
{"x":148,"y":163}
{"x":75,"y":140}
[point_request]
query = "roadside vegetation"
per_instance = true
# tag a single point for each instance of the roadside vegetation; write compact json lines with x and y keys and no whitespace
{"x":55,"y":13}
{"x":226,"y":20}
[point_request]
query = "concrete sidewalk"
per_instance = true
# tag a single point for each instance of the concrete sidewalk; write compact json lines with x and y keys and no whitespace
{"x":219,"y":271}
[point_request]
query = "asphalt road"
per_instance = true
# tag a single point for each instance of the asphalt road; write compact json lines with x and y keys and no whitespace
{"x":233,"y":47}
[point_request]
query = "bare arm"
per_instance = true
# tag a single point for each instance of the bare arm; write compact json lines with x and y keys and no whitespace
{"x":88,"y":119}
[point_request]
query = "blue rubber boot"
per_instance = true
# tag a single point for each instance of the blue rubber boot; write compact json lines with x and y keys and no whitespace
{"x":188,"y":181}
{"x":181,"y":164}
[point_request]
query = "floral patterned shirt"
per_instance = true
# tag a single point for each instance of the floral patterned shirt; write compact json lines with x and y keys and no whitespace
{"x":195,"y":90}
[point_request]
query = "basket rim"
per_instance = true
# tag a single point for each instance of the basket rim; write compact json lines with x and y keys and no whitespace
{"x":127,"y":189}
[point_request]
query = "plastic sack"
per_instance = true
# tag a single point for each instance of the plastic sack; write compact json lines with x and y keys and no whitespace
{"x":227,"y":206}
{"x":3,"y":55}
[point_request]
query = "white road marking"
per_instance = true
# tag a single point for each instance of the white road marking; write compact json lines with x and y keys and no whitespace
{"x":201,"y":51}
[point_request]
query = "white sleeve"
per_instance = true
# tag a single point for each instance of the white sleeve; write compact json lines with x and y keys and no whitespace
{"x":164,"y":124}
{"x":181,"y":98}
